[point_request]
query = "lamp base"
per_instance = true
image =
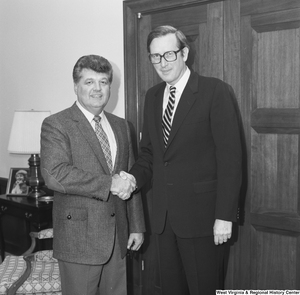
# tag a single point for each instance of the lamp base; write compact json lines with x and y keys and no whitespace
{"x":35,"y":179}
{"x":36,"y":194}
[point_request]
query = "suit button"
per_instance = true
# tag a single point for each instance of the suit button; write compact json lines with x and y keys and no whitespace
{"x":166,"y":164}
{"x":112,"y":214}
{"x":69,"y":216}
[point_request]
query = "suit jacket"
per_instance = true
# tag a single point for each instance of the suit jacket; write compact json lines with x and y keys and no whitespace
{"x":85,"y":213}
{"x":197,"y":177}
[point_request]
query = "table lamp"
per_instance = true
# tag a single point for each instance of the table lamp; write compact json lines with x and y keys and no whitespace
{"x":25,"y":139}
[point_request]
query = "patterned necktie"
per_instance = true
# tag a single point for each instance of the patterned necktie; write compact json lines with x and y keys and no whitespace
{"x":167,"y":117}
{"x":104,"y":142}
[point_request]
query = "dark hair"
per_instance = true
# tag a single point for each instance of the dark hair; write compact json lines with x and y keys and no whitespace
{"x":165,"y":30}
{"x":96,"y":63}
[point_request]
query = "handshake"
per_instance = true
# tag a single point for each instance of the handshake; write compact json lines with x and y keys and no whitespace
{"x":123,"y":185}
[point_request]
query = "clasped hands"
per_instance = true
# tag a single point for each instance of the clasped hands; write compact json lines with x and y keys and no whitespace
{"x":123,"y":185}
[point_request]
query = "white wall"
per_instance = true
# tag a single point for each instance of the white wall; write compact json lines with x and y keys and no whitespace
{"x":40,"y":41}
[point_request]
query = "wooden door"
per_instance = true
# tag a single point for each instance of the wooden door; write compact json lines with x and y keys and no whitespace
{"x":254,"y":45}
{"x":270,"y":54}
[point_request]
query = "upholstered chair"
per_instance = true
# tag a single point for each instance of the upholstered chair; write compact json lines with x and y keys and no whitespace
{"x":32,"y":273}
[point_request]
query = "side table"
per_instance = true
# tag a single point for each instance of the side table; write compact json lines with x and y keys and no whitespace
{"x":19,"y":215}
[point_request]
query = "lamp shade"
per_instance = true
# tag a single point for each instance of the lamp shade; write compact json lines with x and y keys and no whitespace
{"x":26,"y":131}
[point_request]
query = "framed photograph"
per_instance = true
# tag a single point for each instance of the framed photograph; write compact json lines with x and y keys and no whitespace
{"x":16,"y":185}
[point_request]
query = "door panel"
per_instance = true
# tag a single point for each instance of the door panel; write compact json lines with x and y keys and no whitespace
{"x":274,"y":144}
{"x":254,"y":45}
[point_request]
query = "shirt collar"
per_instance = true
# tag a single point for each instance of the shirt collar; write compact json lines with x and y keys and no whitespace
{"x":86,"y":113}
{"x":180,"y":85}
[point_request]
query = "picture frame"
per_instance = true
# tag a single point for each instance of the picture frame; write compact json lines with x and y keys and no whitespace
{"x":16,"y":185}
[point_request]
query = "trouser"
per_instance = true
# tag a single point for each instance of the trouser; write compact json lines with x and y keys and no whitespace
{"x":189,"y":266}
{"x":106,"y":279}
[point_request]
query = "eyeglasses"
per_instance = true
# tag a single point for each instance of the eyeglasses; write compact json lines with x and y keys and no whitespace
{"x":169,"y":56}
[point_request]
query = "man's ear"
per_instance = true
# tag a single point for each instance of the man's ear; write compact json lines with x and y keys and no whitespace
{"x":185,"y":52}
{"x":75,"y":88}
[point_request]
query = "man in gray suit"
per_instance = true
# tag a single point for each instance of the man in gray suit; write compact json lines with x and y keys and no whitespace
{"x":95,"y":216}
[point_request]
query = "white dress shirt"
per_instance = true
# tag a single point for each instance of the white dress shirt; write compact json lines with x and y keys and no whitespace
{"x":180,"y":85}
{"x":106,"y":127}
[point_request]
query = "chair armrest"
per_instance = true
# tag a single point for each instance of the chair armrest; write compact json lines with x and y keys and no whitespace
{"x":32,"y":245}
{"x":17,"y":284}
{"x":43,"y":234}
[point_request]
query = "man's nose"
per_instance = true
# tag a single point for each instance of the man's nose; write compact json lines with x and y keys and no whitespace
{"x":163,"y":62}
{"x":98,"y":86}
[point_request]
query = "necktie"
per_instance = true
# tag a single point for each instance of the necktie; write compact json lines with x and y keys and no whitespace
{"x":103,"y":142}
{"x":167,"y":117}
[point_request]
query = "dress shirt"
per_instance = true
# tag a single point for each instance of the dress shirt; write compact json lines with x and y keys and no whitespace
{"x":106,"y":127}
{"x":180,"y":85}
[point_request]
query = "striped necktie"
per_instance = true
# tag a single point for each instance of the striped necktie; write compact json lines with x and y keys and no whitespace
{"x":167,"y":117}
{"x":103,"y":142}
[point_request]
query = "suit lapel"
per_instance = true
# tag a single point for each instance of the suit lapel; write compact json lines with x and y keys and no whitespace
{"x":88,"y":133}
{"x":185,"y":104}
{"x":158,"y":102}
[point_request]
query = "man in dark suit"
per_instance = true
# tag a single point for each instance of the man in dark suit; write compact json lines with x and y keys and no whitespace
{"x":193,"y":156}
{"x":95,"y":218}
